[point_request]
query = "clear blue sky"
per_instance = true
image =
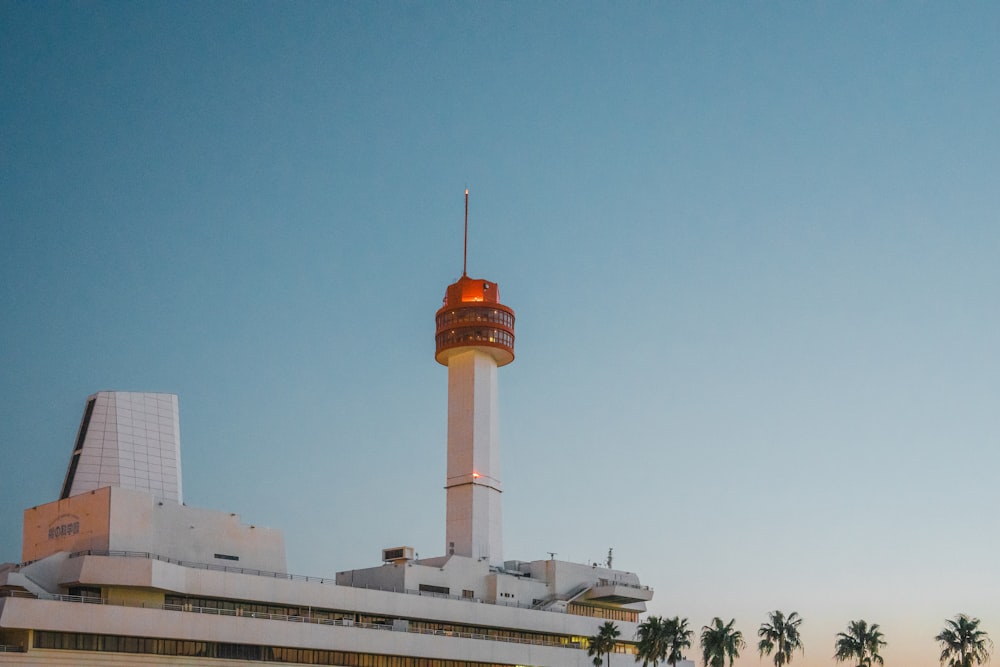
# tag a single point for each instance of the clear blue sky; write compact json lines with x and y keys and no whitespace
{"x":752,"y":248}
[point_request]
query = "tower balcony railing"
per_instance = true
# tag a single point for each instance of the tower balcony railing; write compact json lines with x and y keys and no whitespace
{"x":461,"y":336}
{"x":469,"y":314}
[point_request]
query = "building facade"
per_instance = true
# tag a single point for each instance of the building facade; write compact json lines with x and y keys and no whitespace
{"x":118,"y":570}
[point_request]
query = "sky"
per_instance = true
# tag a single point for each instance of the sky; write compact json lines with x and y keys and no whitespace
{"x":752,"y":250}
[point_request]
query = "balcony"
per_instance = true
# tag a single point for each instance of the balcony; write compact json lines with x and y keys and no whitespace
{"x":616,"y":592}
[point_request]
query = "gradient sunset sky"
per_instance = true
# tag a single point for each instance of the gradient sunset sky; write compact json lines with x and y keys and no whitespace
{"x":753,"y":249}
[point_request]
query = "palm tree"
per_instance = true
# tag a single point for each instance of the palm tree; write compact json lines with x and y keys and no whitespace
{"x":651,"y":641}
{"x":781,"y":637}
{"x":663,"y":640}
{"x":603,"y":643}
{"x":860,"y":644}
{"x":964,"y":644}
{"x":678,"y":638}
{"x":719,"y":642}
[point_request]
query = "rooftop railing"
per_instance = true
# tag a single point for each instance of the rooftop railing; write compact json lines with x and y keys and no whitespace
{"x":290,"y":577}
{"x":612,"y":582}
{"x":327,"y":580}
{"x":202,"y":566}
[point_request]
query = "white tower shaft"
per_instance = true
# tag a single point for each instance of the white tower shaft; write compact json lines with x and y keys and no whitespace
{"x":474,"y":517}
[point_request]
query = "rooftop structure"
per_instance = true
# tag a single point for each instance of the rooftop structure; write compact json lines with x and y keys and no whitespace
{"x":130,"y":440}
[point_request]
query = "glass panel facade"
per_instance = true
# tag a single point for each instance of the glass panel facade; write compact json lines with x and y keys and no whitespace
{"x":115,"y":644}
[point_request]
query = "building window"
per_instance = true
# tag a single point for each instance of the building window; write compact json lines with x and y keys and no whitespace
{"x":85,"y":591}
{"x":77,"y":448}
{"x":171,"y":647}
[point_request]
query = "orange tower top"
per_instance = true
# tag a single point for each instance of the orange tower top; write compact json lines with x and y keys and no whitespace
{"x":472,"y":316}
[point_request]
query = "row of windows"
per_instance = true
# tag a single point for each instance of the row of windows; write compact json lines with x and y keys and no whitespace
{"x":13,"y":640}
{"x":458,"y":336}
{"x":77,"y":448}
{"x":242,"y":608}
{"x":248,"y":608}
{"x":428,"y":588}
{"x":468,"y":314}
{"x":603,"y":612}
{"x":177,"y":647}
{"x":495,"y":633}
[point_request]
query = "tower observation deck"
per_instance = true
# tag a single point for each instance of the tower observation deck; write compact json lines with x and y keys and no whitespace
{"x":472,"y":317}
{"x":474,"y":336}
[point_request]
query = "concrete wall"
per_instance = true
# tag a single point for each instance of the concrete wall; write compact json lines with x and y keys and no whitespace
{"x":116,"y":519}
{"x":139,"y":522}
{"x":135,"y":597}
{"x":524,"y":590}
{"x":78,"y":523}
{"x":387,"y":577}
{"x":458,"y":574}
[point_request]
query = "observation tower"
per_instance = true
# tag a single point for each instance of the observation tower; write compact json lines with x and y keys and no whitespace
{"x":475,"y":336}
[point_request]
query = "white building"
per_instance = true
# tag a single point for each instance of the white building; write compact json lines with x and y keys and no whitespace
{"x":118,"y":571}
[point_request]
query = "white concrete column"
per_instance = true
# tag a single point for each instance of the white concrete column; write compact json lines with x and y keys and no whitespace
{"x":474,"y":522}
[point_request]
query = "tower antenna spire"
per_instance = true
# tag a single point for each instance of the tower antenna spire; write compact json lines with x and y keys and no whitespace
{"x":465,"y":247}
